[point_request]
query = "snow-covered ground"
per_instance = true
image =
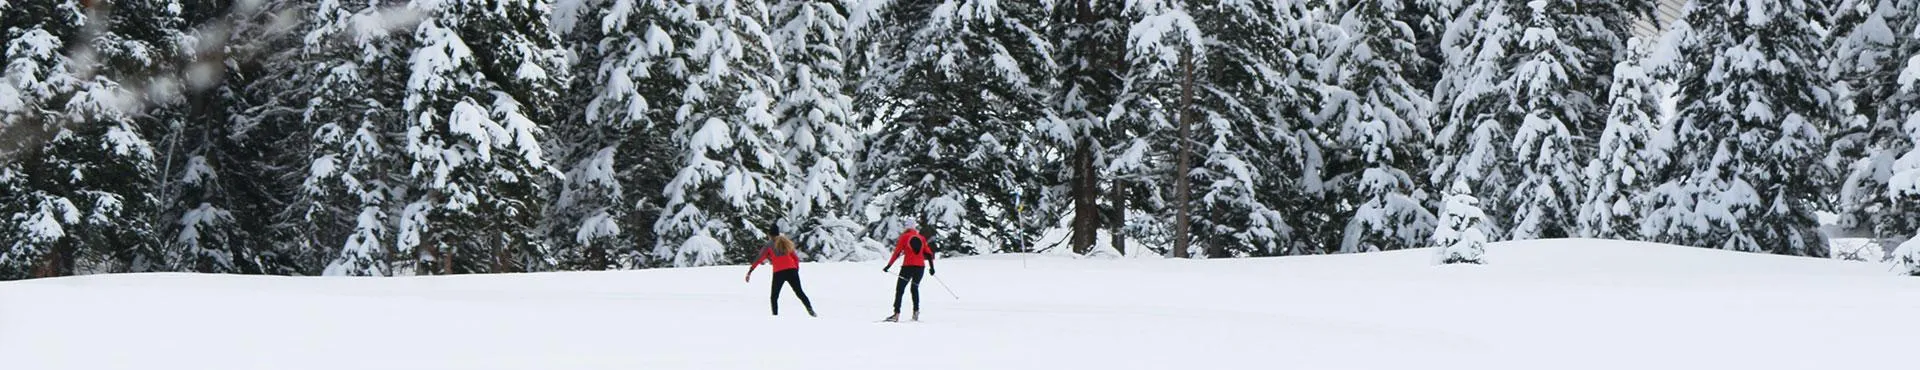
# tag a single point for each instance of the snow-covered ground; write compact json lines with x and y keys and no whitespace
{"x":1563,"y":304}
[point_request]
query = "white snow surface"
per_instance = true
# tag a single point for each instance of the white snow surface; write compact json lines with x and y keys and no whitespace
{"x":1544,"y":304}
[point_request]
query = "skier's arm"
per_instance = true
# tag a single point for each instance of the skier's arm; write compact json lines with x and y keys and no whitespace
{"x":764,"y":253}
{"x":896,"y":255}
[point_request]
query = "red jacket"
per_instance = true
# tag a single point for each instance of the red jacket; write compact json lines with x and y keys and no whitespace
{"x":780,"y":262}
{"x":905,"y":248}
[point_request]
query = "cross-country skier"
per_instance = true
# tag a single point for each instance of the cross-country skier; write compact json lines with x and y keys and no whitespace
{"x":919,"y":258}
{"x":786,"y":269}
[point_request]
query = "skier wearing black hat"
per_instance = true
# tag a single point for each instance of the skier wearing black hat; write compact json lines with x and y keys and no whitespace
{"x":786,"y":270}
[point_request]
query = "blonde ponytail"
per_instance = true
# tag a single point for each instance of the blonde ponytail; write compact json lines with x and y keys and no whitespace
{"x":782,"y":244}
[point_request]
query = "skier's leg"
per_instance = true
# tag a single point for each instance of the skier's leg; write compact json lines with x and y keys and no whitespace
{"x":899,"y":288}
{"x":795,"y":282}
{"x":774,"y":301}
{"x":917,"y":273}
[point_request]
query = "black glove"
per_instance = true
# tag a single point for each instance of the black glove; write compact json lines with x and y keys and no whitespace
{"x":884,"y":269}
{"x":931,"y":271}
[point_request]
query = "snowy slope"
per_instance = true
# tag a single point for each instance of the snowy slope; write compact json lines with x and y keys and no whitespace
{"x":1564,"y":304}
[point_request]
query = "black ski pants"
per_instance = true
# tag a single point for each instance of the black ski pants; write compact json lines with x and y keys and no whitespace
{"x":909,"y":276}
{"x":789,"y":277}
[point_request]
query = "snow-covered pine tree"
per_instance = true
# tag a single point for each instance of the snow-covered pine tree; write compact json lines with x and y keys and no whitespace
{"x":145,"y":44}
{"x":1086,"y":38}
{"x":586,"y":194}
{"x":961,"y":80}
{"x":1382,"y":123}
{"x":1473,"y":104}
{"x":347,"y":148}
{"x":250,"y":50}
{"x":814,"y":111}
{"x":205,"y":236}
{"x":1521,"y":75}
{"x":1161,"y":31}
{"x":214,"y":208}
{"x":624,"y":55}
{"x":1631,"y":151}
{"x":1599,"y":30}
{"x":88,"y":199}
{"x":1904,"y":103}
{"x":36,"y":78}
{"x":1461,"y":236}
{"x":1548,"y":101}
{"x":1254,"y":104}
{"x":728,"y":187}
{"x":1866,"y":63}
{"x":482,"y":75}
{"x":1751,"y":107}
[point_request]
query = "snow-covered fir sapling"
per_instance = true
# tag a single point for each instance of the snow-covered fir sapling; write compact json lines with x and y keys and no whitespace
{"x":1460,"y":237}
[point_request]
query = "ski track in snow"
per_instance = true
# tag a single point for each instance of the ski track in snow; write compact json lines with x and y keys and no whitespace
{"x":1562,"y":304}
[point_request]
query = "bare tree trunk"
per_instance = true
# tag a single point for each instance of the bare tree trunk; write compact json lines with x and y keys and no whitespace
{"x":444,"y":259}
{"x":44,"y":270}
{"x":56,"y":264}
{"x":1086,"y":181}
{"x":422,"y":267}
{"x":501,"y":256}
{"x":1086,"y":196}
{"x":392,"y":256}
{"x":1181,"y":222}
{"x":596,"y":257}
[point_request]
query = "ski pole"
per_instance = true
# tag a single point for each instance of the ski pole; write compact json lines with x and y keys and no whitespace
{"x":1019,"y":221}
{"x":943,"y":285}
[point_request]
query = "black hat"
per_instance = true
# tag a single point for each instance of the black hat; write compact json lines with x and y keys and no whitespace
{"x":776,"y":228}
